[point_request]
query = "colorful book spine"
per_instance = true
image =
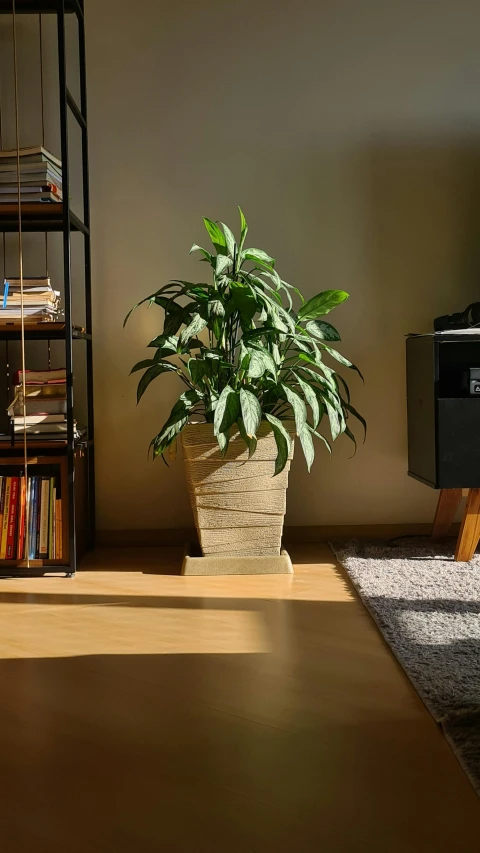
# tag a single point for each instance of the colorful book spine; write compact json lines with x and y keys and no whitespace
{"x":32,"y":549}
{"x":28,"y":517}
{"x":54,"y":522}
{"x":12,"y":519}
{"x":43,"y":522}
{"x":2,"y":502}
{"x":21,"y":519}
{"x":38,"y":515}
{"x":6,"y":510}
{"x":50,"y":519}
{"x":59,"y":531}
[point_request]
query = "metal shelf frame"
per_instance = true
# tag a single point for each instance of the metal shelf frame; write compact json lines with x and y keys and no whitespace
{"x":59,"y":217}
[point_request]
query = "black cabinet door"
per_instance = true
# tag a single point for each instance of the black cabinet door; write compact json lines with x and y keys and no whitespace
{"x":458,"y":443}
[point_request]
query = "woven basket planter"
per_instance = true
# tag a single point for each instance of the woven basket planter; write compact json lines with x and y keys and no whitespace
{"x":237,"y":503}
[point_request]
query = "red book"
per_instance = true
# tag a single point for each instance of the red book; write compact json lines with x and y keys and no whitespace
{"x":57,"y":376}
{"x":21,"y":520}
{"x":12,"y":519}
{"x":2,"y":498}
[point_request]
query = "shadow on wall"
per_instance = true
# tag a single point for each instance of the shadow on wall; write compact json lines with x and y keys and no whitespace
{"x":412,"y":232}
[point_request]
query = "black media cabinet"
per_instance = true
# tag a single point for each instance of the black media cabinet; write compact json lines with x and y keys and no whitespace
{"x":444,"y":427}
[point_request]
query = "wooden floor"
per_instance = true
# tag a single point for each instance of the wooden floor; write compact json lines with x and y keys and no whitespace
{"x":141,"y":711}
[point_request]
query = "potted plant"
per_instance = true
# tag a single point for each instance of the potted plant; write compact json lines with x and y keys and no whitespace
{"x":255,"y":374}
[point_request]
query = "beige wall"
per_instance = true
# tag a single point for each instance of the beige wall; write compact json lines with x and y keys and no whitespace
{"x":347,"y":131}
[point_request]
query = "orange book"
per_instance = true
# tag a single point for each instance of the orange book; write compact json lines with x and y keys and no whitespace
{"x":6,"y":511}
{"x":21,"y":520}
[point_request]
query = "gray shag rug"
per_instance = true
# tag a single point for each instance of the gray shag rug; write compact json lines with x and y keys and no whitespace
{"x":428,"y":609}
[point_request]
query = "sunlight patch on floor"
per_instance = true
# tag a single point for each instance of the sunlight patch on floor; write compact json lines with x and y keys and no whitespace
{"x":59,"y":631}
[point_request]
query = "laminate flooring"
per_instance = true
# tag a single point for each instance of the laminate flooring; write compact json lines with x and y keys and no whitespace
{"x":142,"y":711}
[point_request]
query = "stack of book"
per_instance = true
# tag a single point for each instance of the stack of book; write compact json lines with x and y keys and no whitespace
{"x":40,"y":175}
{"x":44,"y":517}
{"x":40,"y":302}
{"x":45,"y":404}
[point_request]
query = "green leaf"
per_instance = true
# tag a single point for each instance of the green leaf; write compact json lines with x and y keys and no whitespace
{"x":176,"y":421}
{"x":358,"y":416}
{"x":287,"y":317}
{"x":256,"y":365}
{"x":140,"y":365}
{"x":195,"y":326}
{"x":164,"y":302}
{"x":152,"y":373}
{"x":341,"y":358}
{"x":226,"y":410}
{"x":246,"y":304}
{"x":311,"y":399}
{"x":288,"y":286}
{"x":349,"y":433}
{"x":147,"y":299}
{"x":322,"y":303}
{"x":202,"y":294}
{"x":274,"y":318}
{"x":333,"y":417}
{"x":197,"y":368}
{"x":251,"y":412}
{"x":304,"y":344}
{"x":265,"y":290}
{"x":340,"y":380}
{"x":167,"y":436}
{"x":303,"y":356}
{"x":276,"y":354}
{"x":223,"y":440}
{"x":250,"y":440}
{"x":322,"y":330}
{"x":257,"y":255}
{"x":174,"y":319}
{"x":166,"y":342}
{"x":243,"y":357}
{"x":329,"y":375}
{"x":283,"y":442}
{"x":215,"y":308}
{"x":207,"y":256}
{"x":222,"y":262}
{"x":230,"y":240}
{"x":271,"y":272}
{"x":243,"y":227}
{"x":216,"y":313}
{"x":306,"y":441}
{"x":321,"y":437}
{"x":298,"y":406}
{"x":268,"y":360}
{"x":216,"y":235}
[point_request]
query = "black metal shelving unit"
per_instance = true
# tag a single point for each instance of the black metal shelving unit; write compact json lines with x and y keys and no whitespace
{"x":58,"y":217}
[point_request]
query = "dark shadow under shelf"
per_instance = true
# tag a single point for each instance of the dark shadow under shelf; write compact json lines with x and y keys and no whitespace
{"x":34,"y":7}
{"x":40,"y":331}
{"x":38,"y":216}
{"x":16,"y":450}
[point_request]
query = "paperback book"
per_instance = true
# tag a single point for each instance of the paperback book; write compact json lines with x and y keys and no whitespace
{"x":36,"y":502}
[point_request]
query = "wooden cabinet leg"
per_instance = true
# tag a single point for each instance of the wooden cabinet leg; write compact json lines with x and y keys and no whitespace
{"x":470,"y":529}
{"x":448,"y":501}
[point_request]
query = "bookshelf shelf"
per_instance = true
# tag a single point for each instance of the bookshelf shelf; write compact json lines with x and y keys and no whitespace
{"x":39,"y":216}
{"x":41,"y":332}
{"x":71,"y":459}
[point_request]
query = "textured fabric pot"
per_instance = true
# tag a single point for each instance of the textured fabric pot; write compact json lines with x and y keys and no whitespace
{"x":237,"y":503}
